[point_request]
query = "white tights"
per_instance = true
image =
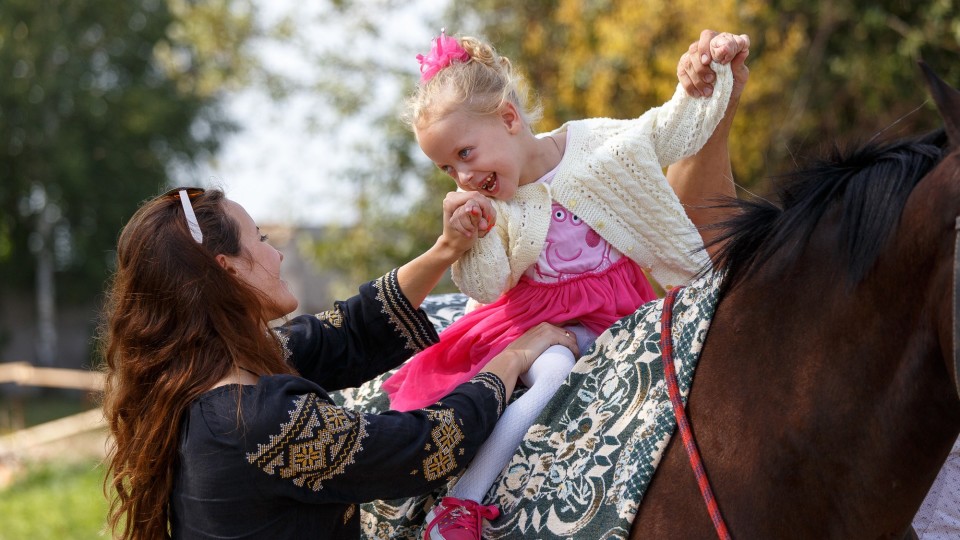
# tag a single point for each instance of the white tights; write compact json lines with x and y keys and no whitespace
{"x":543,"y":379}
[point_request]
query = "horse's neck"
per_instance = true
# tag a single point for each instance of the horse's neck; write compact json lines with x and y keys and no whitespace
{"x":840,"y":404}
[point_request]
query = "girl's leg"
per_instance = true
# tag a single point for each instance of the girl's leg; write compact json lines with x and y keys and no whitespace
{"x":545,"y":376}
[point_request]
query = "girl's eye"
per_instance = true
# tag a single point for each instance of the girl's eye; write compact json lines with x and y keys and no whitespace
{"x":465,"y":153}
{"x":263,"y":237}
{"x":448,"y":170}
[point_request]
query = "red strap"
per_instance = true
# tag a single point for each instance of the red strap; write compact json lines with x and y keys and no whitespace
{"x":666,"y":352}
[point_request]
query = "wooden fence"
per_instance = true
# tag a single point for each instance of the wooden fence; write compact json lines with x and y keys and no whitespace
{"x":25,"y":374}
{"x":23,"y":441}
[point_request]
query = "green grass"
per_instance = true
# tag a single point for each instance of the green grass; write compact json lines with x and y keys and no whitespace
{"x":60,"y":497}
{"x":55,"y":502}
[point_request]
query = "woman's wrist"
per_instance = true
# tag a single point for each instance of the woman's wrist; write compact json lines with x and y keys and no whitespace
{"x":506,"y":365}
{"x":446,"y":251}
{"x":443,"y":253}
{"x":418,"y":277}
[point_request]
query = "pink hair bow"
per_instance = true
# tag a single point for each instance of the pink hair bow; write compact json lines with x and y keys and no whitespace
{"x":445,"y":50}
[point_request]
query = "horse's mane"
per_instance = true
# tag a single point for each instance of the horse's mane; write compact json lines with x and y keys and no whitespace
{"x":870,"y":183}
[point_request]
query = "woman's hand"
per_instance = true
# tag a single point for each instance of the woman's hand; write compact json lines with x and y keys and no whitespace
{"x":694,"y":70}
{"x":517,"y":358}
{"x":707,"y":176}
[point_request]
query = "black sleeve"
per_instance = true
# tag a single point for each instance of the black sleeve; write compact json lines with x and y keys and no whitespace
{"x":303,"y":446}
{"x":359,"y":338}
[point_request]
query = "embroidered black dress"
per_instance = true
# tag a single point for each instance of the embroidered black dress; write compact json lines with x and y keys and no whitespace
{"x":294,"y":465}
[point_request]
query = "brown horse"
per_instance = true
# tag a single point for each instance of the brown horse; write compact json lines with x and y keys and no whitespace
{"x":825,"y":400}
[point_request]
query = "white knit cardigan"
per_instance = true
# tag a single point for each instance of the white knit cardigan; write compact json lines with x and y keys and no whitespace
{"x":611,"y":175}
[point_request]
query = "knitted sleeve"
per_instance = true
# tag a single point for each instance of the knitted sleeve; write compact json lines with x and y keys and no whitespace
{"x":615,"y":181}
{"x":494,"y":265}
{"x":483,"y":272}
{"x":683,"y":124}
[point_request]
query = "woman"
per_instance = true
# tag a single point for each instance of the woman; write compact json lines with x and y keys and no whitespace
{"x":223,"y":428}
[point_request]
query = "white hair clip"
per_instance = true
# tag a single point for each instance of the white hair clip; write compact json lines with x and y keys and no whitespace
{"x":191,"y":217}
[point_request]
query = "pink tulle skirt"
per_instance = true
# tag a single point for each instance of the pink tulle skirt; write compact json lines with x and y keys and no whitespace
{"x":594,"y":300}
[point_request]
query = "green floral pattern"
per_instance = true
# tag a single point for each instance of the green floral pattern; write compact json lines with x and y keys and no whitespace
{"x":583,"y":467}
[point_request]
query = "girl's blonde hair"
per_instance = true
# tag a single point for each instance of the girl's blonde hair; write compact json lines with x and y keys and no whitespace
{"x":481,"y":85}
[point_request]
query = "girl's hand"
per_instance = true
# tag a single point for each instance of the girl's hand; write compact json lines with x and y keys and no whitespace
{"x":694,"y":71}
{"x":470,"y":214}
{"x":464,"y":214}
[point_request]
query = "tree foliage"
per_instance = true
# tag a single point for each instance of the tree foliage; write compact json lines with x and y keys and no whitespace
{"x":397,"y":191}
{"x":857,"y":71}
{"x":99,"y":101}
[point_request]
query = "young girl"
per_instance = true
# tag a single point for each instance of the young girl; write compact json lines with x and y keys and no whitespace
{"x":579,"y":212}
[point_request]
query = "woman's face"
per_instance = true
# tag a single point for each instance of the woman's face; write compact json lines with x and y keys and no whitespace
{"x":258,"y":263}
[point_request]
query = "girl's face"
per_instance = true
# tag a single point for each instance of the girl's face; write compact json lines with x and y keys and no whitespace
{"x":480,"y":153}
{"x":258,"y":263}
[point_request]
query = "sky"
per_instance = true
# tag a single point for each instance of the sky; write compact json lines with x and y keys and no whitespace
{"x":282,"y":167}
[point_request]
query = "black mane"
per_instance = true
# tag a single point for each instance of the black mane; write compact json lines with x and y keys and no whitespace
{"x":871,"y":183}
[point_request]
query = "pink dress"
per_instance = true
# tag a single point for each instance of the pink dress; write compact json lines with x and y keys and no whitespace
{"x":578,"y":279}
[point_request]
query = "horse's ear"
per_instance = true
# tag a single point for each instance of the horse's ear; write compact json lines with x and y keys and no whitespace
{"x":947,"y":99}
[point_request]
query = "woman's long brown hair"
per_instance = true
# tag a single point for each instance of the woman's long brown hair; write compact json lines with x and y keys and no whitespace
{"x":175,"y":323}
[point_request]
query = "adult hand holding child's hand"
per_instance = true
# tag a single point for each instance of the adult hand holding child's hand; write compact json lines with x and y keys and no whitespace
{"x":694,"y":70}
{"x":470,"y":214}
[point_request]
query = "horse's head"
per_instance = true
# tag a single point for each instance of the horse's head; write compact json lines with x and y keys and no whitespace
{"x":947,"y":99}
{"x":947,"y":177}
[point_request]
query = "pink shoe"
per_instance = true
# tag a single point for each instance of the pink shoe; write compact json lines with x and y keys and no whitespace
{"x":457,"y":519}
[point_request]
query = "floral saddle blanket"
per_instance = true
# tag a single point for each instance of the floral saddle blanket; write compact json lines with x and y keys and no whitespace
{"x":583,"y":467}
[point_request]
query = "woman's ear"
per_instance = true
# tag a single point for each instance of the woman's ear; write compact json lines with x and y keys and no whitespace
{"x":511,"y":118}
{"x":226,"y":263}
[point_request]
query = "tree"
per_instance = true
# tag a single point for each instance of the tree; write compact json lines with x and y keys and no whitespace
{"x":364,"y":74}
{"x":100,"y":101}
{"x":856,"y":69}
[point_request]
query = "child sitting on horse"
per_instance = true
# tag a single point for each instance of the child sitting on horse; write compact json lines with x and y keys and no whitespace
{"x":580,"y":213}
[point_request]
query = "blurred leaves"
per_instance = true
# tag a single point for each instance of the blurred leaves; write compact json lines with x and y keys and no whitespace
{"x":201,"y":50}
{"x":99,"y":102}
{"x":365,"y":73}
